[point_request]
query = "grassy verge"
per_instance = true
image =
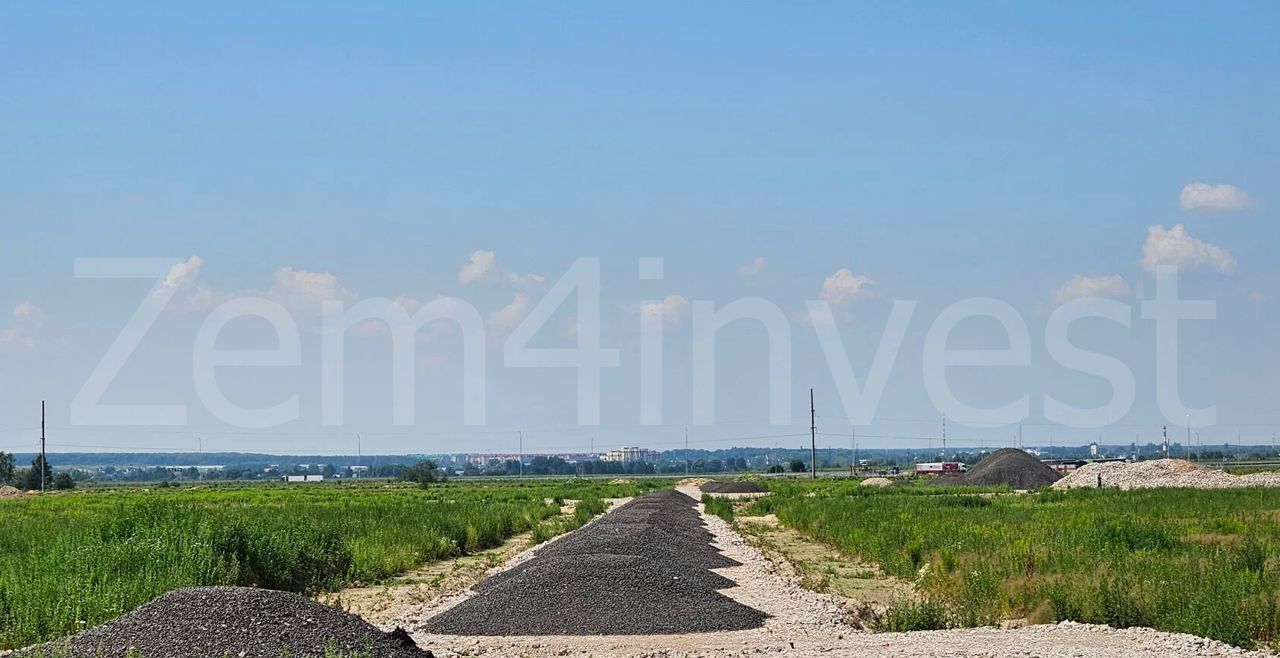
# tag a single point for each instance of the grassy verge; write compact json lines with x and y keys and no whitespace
{"x":68,"y":562}
{"x":721,"y":507}
{"x":1189,"y":561}
{"x":585,"y":510}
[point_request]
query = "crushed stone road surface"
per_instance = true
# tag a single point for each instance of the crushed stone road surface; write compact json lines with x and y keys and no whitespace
{"x":643,"y":569}
{"x":804,"y":624}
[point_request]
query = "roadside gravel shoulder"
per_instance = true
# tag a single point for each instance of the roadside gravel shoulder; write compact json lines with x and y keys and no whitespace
{"x":806,"y":624}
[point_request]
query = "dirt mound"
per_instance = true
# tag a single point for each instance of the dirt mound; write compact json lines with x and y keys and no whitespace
{"x":1010,"y":466}
{"x":1162,"y":473}
{"x":693,"y":482}
{"x":732,"y":488}
{"x":7,"y":492}
{"x":877,"y":482}
{"x":232,"y":621}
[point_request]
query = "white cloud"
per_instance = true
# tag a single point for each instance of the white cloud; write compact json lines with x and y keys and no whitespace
{"x":1175,"y":247}
{"x":187,"y":270}
{"x":481,"y":264}
{"x":192,"y":294}
{"x":27,"y":322}
{"x":750,"y":269}
{"x":671,"y":311}
{"x":1091,"y":286}
{"x":509,"y":317}
{"x":27,"y":312}
{"x":1256,"y":298}
{"x":1213,"y":198}
{"x":843,"y":287}
{"x":525,"y":280}
{"x":298,"y":290}
{"x":301,"y":290}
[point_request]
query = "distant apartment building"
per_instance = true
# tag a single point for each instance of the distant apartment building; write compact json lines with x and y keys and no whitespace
{"x":629,"y":455}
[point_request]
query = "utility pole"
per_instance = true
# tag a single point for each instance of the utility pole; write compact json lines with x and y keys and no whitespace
{"x":44,"y":461}
{"x":853,"y":444}
{"x":1020,"y":435}
{"x":944,"y":437}
{"x":813,"y":434}
{"x":1166,"y":447}
{"x":521,"y":453}
{"x":686,"y":451}
{"x":1164,"y":438}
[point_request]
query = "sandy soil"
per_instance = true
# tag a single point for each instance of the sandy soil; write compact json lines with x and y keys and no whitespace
{"x":804,"y":623}
{"x":861,"y":588}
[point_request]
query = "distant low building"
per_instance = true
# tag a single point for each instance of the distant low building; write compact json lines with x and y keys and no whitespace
{"x":630,"y":455}
{"x":303,"y":478}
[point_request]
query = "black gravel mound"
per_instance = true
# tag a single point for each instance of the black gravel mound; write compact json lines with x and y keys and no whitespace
{"x":232,"y":621}
{"x":733,"y":487}
{"x":642,"y":569}
{"x":1013,"y":467}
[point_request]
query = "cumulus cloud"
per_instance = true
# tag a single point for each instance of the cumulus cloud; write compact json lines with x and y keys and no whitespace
{"x":27,"y":312}
{"x":750,"y":269}
{"x":670,"y":311}
{"x":1256,"y":298}
{"x":301,"y":290}
{"x":27,"y":321}
{"x":180,"y":273}
{"x":509,"y":317}
{"x":844,"y":286}
{"x":1176,"y":247}
{"x":190,"y":293}
{"x":298,"y":290}
{"x":481,"y":264}
{"x":1091,"y":286}
{"x":1208,"y":197}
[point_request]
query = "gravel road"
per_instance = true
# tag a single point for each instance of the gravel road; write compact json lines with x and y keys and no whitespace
{"x":805,"y":624}
{"x":643,"y":569}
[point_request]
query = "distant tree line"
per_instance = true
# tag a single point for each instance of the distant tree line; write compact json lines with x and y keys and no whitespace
{"x":30,"y":478}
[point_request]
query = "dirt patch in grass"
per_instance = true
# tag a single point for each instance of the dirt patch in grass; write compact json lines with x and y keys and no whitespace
{"x":378,"y":604}
{"x":381,"y":603}
{"x":820,"y":568}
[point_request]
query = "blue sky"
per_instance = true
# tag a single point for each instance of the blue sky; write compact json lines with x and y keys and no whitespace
{"x":944,"y":151}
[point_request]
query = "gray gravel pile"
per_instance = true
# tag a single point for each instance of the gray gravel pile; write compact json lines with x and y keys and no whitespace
{"x":642,"y":569}
{"x":732,"y":488}
{"x":232,"y":621}
{"x":1010,"y":466}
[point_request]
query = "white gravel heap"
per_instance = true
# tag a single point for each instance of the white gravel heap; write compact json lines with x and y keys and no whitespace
{"x":1161,"y":473}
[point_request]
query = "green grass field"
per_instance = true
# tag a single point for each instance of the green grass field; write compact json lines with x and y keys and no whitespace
{"x":70,"y":561}
{"x":1193,"y":561}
